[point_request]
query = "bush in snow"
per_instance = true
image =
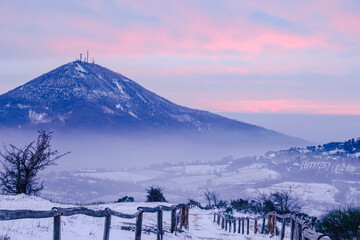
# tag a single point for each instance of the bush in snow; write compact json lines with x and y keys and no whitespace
{"x":155,"y":194}
{"x":246,"y":206}
{"x":341,"y":223}
{"x":125,"y":199}
{"x":192,"y":203}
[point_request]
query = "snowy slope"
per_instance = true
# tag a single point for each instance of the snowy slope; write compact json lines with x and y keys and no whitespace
{"x":82,"y":227}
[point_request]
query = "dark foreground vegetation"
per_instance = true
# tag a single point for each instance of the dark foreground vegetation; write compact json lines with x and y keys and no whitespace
{"x":341,"y":223}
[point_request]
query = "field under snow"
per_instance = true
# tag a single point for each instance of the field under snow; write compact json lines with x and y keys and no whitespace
{"x":82,"y":227}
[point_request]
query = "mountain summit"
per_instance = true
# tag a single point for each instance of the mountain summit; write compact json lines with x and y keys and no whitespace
{"x":81,"y":95}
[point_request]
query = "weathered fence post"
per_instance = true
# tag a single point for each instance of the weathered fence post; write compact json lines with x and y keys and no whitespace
{"x":292,"y":229}
{"x":299,"y":230}
{"x":273,"y":226}
{"x":255,"y":226}
{"x":214,"y":217}
{"x":226,"y":224}
{"x":229,"y":225}
{"x":234,"y":223}
{"x":187,"y":219}
{"x":184,"y":218}
{"x":57,"y":227}
{"x":247,"y":226}
{"x":173,"y":220}
{"x":222,"y":223}
{"x":263,"y":226}
{"x":283,"y":228}
{"x":239,"y":228}
{"x":242,"y":226}
{"x":107,"y":225}
{"x":138,"y":227}
{"x":269,"y":224}
{"x":159,"y":224}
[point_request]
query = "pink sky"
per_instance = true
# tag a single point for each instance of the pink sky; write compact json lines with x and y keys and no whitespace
{"x":234,"y":56}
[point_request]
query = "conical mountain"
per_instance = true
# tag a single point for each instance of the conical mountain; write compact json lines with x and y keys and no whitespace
{"x":87,"y":96}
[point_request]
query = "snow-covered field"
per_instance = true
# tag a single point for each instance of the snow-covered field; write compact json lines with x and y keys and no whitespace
{"x":81,"y":227}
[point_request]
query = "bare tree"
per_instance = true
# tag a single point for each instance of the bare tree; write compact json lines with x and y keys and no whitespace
{"x":21,"y":165}
{"x":211,"y":197}
{"x":282,"y":201}
{"x":285,"y":201}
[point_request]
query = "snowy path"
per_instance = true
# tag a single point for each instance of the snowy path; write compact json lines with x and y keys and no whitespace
{"x":202,"y":227}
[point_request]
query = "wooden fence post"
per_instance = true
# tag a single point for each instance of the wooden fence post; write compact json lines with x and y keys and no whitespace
{"x":159,"y":224}
{"x":263,"y":226}
{"x":242,"y":226}
{"x":292,"y":229}
{"x":234,"y":223}
{"x":57,"y":227}
{"x":229,"y":226}
{"x":239,"y":228}
{"x":184,"y":218}
{"x":107,"y":227}
{"x":222,"y":223}
{"x":283,"y":228}
{"x":187,"y":218}
{"x":138,"y":226}
{"x":269,"y":224}
{"x":274,"y":225}
{"x":214,"y":217}
{"x":255,"y":227}
{"x":299,"y":230}
{"x":247,"y":226}
{"x":226,"y":224}
{"x":173,"y":220}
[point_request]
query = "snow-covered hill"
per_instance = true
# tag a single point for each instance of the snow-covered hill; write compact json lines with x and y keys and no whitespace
{"x":86,"y":96}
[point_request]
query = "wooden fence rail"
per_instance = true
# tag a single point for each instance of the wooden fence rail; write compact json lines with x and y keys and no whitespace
{"x":177,"y":218}
{"x":300,"y":228}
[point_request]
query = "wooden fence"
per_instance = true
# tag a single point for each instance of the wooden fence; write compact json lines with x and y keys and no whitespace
{"x":181,"y":217}
{"x":300,"y":228}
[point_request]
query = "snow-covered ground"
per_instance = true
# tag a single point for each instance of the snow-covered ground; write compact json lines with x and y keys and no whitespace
{"x":81,"y":227}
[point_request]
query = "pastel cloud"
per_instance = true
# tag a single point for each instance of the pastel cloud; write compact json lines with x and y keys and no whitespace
{"x":310,"y":106}
{"x":191,"y":33}
{"x":158,"y":42}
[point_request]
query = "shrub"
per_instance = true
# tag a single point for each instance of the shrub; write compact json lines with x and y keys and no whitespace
{"x":246,"y":206}
{"x":192,"y":203}
{"x":341,"y":223}
{"x":125,"y":199}
{"x":155,"y":194}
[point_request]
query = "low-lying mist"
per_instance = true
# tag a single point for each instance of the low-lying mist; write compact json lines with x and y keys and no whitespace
{"x":116,"y":151}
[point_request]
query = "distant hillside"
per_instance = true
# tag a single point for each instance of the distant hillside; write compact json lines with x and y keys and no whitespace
{"x":322,"y":177}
